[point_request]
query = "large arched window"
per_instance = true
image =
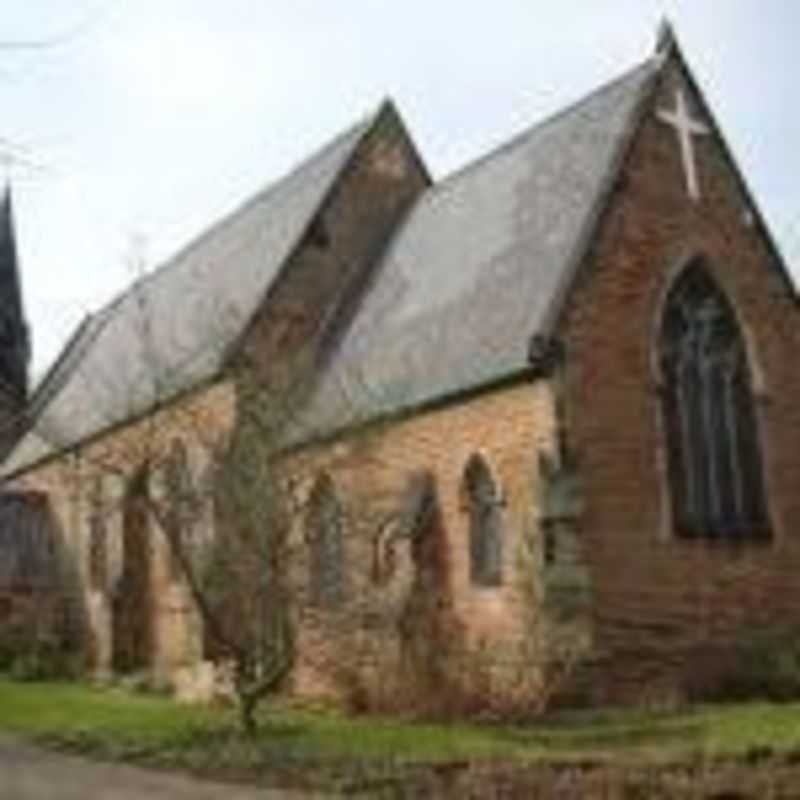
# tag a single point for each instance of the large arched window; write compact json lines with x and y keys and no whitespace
{"x":485,"y":524}
{"x":714,"y":459}
{"x":326,"y":543}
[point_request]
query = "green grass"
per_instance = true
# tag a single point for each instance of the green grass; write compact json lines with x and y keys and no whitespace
{"x":116,"y":719}
{"x":77,"y":712}
{"x":116,"y":724}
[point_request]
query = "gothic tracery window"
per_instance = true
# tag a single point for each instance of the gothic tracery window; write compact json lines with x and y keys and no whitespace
{"x":714,"y":459}
{"x":326,"y":543}
{"x":485,"y":524}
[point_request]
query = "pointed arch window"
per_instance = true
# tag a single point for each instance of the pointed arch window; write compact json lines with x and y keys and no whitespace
{"x":98,"y":538}
{"x":326,"y":543}
{"x":178,"y":484}
{"x":485,"y":524}
{"x":713,"y":451}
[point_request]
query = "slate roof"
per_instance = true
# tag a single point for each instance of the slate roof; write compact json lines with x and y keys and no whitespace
{"x":480,"y":265}
{"x":475,"y":270}
{"x":172,"y":328}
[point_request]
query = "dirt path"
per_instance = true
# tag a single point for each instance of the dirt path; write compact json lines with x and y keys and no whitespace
{"x":30,"y":773}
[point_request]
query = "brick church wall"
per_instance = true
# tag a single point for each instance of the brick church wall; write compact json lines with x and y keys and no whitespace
{"x":662,"y":604}
{"x":200,"y":420}
{"x":307,"y":306}
{"x":302,"y":312}
{"x":492,"y":642}
{"x":497,"y":629}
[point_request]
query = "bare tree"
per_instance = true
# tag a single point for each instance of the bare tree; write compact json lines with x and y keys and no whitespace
{"x":221,"y":492}
{"x":227,"y":495}
{"x":237,"y":580}
{"x":236,"y":575}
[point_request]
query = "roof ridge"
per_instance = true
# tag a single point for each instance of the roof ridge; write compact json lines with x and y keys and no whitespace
{"x":206,"y":233}
{"x":555,"y":116}
{"x":433,"y":190}
{"x":453,"y":299}
{"x":319,"y":171}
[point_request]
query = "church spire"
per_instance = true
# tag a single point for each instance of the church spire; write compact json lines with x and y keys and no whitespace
{"x":14,"y":344}
{"x":9,"y":271}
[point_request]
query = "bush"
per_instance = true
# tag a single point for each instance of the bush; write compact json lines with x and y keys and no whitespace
{"x":764,"y":665}
{"x":36,"y":641}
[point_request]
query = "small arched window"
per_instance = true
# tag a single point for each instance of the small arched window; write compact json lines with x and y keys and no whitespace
{"x":326,"y":544}
{"x":98,"y":538}
{"x":485,"y":524}
{"x":178,"y":485}
{"x":714,"y":457}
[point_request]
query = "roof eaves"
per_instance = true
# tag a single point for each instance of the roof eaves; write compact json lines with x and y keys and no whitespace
{"x":67,"y":361}
{"x":413,"y":408}
{"x":61,"y":449}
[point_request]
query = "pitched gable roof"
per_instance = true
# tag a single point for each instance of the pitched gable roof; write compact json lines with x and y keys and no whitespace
{"x":172,"y":329}
{"x":668,"y":48}
{"x":480,"y":264}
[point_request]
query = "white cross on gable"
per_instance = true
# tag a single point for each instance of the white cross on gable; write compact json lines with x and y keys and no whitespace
{"x":685,"y":127}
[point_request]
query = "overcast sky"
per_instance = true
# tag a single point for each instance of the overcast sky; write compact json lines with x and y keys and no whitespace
{"x":151,"y":119}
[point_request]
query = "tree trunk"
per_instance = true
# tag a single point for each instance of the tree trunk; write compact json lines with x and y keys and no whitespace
{"x":247,"y":715}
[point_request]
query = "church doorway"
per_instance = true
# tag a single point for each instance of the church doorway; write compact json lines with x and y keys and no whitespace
{"x":132,"y":613}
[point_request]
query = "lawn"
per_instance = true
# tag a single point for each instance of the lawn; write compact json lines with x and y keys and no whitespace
{"x":112,"y":723}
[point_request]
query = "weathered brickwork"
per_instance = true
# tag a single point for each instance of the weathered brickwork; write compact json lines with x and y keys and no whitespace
{"x":660,"y":602}
{"x":322,"y":282}
{"x":498,"y":628}
{"x":202,"y":421}
{"x":304,"y":309}
{"x":588,"y":547}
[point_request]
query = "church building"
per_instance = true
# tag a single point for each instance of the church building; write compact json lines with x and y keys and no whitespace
{"x":568,"y":367}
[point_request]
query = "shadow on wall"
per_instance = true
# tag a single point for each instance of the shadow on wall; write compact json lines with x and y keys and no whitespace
{"x":43,"y":618}
{"x":397,"y":643}
{"x":132,"y":612}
